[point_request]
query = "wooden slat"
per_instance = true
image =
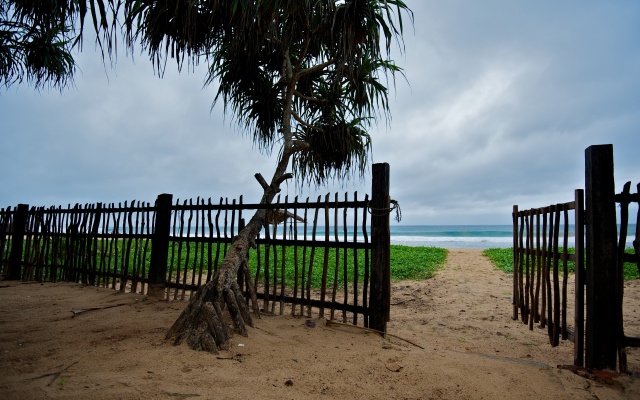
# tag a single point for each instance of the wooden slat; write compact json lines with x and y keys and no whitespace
{"x":267,"y":268}
{"x":170,"y":279}
{"x":325,"y":262}
{"x":336,"y":266}
{"x":521,"y":293}
{"x":295,"y":255}
{"x":636,"y":242}
{"x":283,"y":248}
{"x":367,"y":265}
{"x":187,"y":265}
{"x":516,"y":256}
{"x":198,"y":247}
{"x":549,"y":267}
{"x":274,"y":289}
{"x":624,"y":223}
{"x":184,"y":261}
{"x":304,"y":259}
{"x":538,"y":258}
{"x":345,"y":277}
{"x":312,"y":257}
{"x":529,"y":271}
{"x":578,"y":348}
{"x":565,"y":273}
{"x":556,"y":280}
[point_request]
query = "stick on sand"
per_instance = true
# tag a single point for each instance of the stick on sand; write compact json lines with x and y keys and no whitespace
{"x":330,"y":323}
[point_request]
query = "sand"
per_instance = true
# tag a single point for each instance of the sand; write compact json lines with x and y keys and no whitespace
{"x":471,"y":348}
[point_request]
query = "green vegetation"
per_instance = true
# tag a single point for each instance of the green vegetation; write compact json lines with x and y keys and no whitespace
{"x":503,"y":260}
{"x":416,"y":263}
{"x":407,"y":262}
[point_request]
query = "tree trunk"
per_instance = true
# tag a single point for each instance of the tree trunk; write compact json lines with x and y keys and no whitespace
{"x":203,"y":323}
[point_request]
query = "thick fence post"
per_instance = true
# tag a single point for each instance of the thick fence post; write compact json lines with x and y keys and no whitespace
{"x":17,"y":241}
{"x":602,"y":324}
{"x":160,"y":246}
{"x":381,"y":249}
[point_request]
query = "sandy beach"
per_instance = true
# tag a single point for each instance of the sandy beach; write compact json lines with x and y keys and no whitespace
{"x":453,"y":339}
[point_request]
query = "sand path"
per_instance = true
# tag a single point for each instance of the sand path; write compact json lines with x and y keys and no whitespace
{"x":461,"y":317}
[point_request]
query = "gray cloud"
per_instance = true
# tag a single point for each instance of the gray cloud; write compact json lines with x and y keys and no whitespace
{"x":501,"y":101}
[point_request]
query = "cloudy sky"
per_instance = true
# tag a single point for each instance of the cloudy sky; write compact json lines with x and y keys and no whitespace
{"x":502,"y":97}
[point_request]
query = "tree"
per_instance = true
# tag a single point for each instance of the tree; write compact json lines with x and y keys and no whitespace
{"x":302,"y":76}
{"x":35,"y":43}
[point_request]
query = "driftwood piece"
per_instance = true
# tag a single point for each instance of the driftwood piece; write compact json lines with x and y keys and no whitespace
{"x":362,"y":328}
{"x":84,"y":310}
{"x":54,"y":375}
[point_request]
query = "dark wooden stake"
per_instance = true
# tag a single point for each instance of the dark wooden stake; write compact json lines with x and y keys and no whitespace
{"x":15,"y":258}
{"x":602,"y":315}
{"x":380,"y":252}
{"x":160,"y":249}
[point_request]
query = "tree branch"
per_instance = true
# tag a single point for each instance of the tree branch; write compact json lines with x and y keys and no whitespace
{"x":307,"y":98}
{"x":303,"y":122}
{"x":282,"y":179}
{"x":315,"y":68}
{"x":261,"y":181}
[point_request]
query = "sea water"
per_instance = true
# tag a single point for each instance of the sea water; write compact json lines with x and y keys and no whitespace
{"x":453,"y":236}
{"x":446,"y":236}
{"x":469,"y":236}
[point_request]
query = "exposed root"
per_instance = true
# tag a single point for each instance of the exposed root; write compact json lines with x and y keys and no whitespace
{"x":202,"y":324}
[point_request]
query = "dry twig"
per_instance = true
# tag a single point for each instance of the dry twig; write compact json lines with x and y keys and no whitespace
{"x":330,"y":322}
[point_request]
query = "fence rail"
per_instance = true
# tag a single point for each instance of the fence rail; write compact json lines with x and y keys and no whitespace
{"x":313,"y":255}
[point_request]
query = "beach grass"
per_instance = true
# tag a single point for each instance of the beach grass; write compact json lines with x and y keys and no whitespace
{"x":502,"y":258}
{"x":407,"y":263}
{"x":416,"y":263}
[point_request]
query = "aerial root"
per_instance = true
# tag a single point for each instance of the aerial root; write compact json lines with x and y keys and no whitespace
{"x":252,"y":291}
{"x":242,"y":304}
{"x":202,"y":324}
{"x":217,"y":329}
{"x":234,"y":310}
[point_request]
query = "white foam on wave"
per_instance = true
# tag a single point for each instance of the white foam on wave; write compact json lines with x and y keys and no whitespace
{"x":453,"y":242}
{"x":436,"y":239}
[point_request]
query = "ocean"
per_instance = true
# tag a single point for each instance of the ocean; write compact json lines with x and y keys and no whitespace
{"x":467,"y":236}
{"x":453,"y":236}
{"x":446,"y":236}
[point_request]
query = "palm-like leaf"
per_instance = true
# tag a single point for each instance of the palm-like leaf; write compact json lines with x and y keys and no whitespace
{"x":302,"y":73}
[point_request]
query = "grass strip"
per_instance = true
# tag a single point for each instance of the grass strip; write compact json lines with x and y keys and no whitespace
{"x":407,"y":263}
{"x":502,"y":259}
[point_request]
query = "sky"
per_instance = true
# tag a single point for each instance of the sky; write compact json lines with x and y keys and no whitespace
{"x":500,"y":101}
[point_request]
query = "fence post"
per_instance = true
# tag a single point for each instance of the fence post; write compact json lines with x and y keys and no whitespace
{"x":602,"y":324}
{"x":379,"y":299}
{"x":160,"y":246}
{"x":17,"y":240}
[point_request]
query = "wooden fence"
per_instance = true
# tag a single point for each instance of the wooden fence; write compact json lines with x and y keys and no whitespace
{"x":315,"y":255}
{"x":541,"y":269}
{"x":541,"y":242}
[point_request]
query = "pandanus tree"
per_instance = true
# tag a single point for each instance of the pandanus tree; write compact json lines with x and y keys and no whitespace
{"x":305,"y":78}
